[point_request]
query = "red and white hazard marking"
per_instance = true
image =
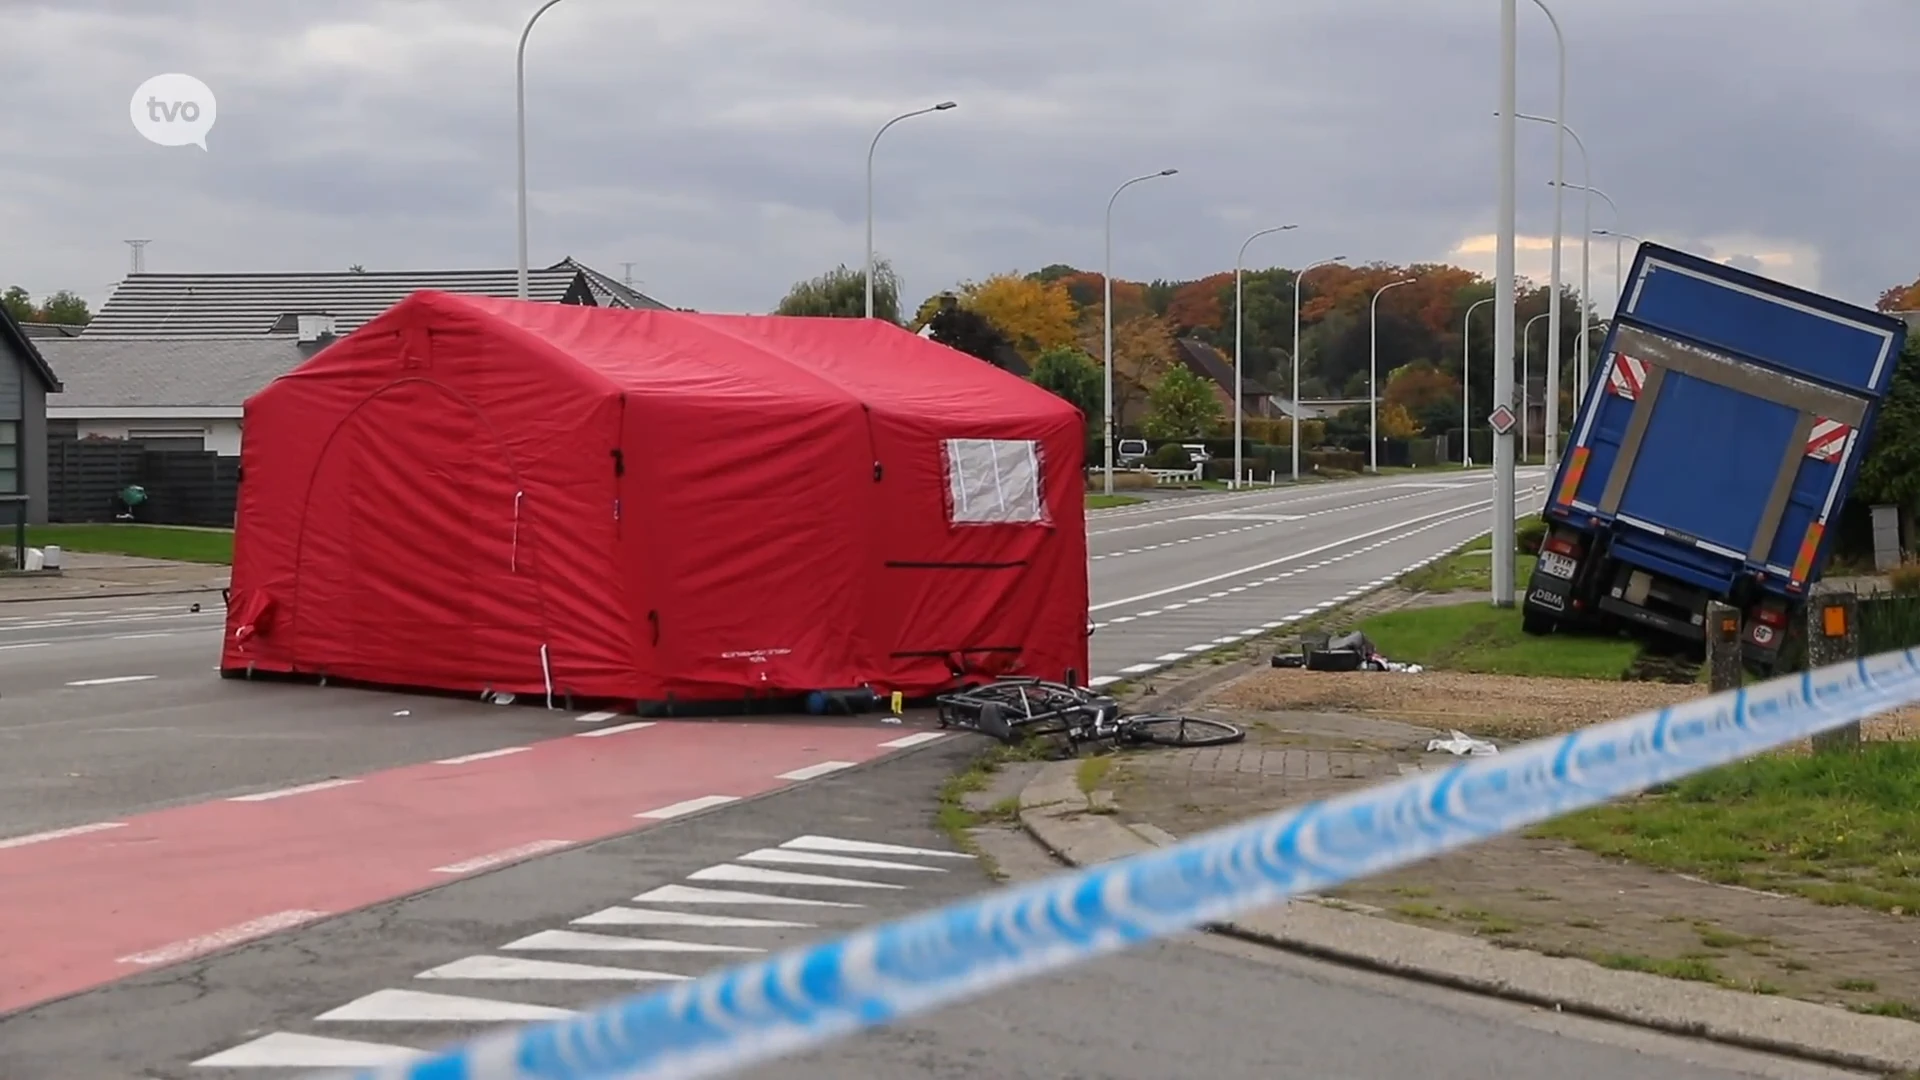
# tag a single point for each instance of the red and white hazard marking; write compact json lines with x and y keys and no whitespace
{"x":1627,"y":377}
{"x":1828,"y":440}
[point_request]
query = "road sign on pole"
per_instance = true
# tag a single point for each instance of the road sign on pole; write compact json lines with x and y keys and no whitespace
{"x":1501,"y":419}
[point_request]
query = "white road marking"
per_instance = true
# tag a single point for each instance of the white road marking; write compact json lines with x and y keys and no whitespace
{"x":688,"y":894}
{"x":820,"y":858}
{"x":626,"y":916}
{"x":288,"y":1050}
{"x":1296,"y":556}
{"x":581,"y":941}
{"x":816,"y":770}
{"x":915,"y":739}
{"x":866,"y":847}
{"x":59,"y":834}
{"x":757,"y":875}
{"x":1168,"y":658}
{"x":233,"y":935}
{"x":483,"y":755}
{"x":26,"y":645}
{"x":1099,"y":681}
{"x":687,"y":806}
{"x":112,"y":680}
{"x":418,"y":1007}
{"x":1139,"y":669}
{"x":614,"y":730}
{"x":281,"y":793}
{"x":142,"y":637}
{"x":525,"y":968}
{"x":595,"y":717}
{"x":497,"y":858}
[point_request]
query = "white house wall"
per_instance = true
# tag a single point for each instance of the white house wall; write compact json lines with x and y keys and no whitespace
{"x":220,"y":435}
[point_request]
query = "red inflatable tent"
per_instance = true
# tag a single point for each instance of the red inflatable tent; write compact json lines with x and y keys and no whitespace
{"x":654,"y":507}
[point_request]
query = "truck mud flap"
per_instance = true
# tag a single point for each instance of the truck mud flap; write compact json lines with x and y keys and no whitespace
{"x":1640,"y":616}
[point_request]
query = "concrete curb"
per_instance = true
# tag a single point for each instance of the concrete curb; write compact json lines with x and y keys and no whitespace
{"x":111,"y":592}
{"x":1053,"y":810}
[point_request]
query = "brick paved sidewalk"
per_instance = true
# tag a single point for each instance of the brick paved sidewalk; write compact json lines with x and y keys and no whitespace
{"x":1534,"y":894}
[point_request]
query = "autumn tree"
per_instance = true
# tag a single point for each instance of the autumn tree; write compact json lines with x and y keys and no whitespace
{"x":970,"y":332}
{"x":1033,"y":314}
{"x":1419,"y":385}
{"x":1143,"y":351}
{"x":1398,"y":423}
{"x":1203,"y":305}
{"x":1901,"y":298}
{"x":842,"y":293}
{"x":1182,"y":405}
{"x":19,"y":303}
{"x":66,"y":308}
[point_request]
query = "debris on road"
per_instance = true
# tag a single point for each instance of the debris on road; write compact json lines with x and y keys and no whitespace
{"x":1349,"y":652}
{"x":1459,"y":743}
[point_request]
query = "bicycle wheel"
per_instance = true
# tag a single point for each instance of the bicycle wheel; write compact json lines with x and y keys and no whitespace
{"x":1179,"y":730}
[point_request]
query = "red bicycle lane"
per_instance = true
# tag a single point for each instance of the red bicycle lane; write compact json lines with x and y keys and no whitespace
{"x":92,"y":904}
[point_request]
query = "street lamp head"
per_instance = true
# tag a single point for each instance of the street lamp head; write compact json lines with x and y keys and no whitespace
{"x":943,"y":106}
{"x":1338,"y":258}
{"x":1168,"y":172}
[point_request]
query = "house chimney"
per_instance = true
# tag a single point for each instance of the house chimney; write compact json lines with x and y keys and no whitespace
{"x":315,"y":327}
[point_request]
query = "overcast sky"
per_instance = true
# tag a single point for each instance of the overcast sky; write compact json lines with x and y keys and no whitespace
{"x":719,"y":145}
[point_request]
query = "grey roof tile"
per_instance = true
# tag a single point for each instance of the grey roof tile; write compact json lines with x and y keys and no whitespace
{"x":172,"y":372}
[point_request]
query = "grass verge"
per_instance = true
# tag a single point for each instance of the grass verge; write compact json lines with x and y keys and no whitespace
{"x":145,"y":541}
{"x":1835,"y":828}
{"x":1108,"y":502}
{"x":1478,"y":637}
{"x":1469,"y":568}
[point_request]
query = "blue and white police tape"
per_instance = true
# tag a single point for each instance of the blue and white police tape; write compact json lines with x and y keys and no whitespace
{"x":806,"y":996}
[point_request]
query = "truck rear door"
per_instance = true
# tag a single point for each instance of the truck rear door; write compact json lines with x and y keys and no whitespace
{"x":1726,"y":422}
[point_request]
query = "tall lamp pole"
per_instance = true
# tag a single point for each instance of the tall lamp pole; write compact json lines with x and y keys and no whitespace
{"x":1619,"y":289}
{"x":1239,"y":394}
{"x":1553,"y":302}
{"x":1526,"y":381}
{"x":1466,"y":384}
{"x":1299,"y":414}
{"x":942,"y":107}
{"x":1589,"y":190}
{"x":1503,"y":272}
{"x":520,"y":141}
{"x":1586,"y":226}
{"x":1106,"y":311}
{"x":1373,"y":373}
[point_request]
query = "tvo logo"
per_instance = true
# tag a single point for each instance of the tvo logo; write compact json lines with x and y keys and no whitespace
{"x":173,"y":110}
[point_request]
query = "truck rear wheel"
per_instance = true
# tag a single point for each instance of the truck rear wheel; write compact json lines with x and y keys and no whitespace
{"x":1533,"y":622}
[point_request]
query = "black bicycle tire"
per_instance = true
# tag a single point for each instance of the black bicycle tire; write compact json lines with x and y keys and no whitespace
{"x":1148,"y":727}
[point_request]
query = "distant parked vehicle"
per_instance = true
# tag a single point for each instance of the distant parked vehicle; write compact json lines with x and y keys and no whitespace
{"x":1197,"y":451}
{"x":1132,"y":453}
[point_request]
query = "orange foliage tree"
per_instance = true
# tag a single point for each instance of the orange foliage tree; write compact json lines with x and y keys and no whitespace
{"x":1206,"y":304}
{"x":1901,"y":298}
{"x":1143,"y":352}
{"x":1035,"y":315}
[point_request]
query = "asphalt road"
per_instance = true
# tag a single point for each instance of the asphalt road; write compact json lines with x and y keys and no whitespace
{"x":564,"y":931}
{"x":146,"y":803}
{"x":1175,"y":577}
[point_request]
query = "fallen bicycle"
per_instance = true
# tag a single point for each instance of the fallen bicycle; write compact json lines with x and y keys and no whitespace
{"x":1017,"y":710}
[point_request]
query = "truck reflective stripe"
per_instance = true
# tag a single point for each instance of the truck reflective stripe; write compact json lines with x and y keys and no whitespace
{"x":1576,"y":468}
{"x":1804,"y":564}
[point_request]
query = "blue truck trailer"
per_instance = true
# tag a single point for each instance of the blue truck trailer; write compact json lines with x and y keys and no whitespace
{"x":1722,"y":431}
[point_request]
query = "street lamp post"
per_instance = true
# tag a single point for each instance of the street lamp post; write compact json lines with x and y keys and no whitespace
{"x":1503,"y":282}
{"x":1618,"y":287}
{"x":1239,"y":394}
{"x":1466,"y":383}
{"x":1373,"y":373}
{"x":1589,"y":191}
{"x":1106,"y":311}
{"x":1526,"y":365}
{"x":1299,"y":414}
{"x":942,"y":107}
{"x":1553,"y":302}
{"x":520,"y":142}
{"x":1586,"y":226}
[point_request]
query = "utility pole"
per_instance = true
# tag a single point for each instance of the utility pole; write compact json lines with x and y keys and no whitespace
{"x":627,"y":270}
{"x":139,"y":254}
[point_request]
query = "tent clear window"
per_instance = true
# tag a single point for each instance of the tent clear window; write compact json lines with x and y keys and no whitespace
{"x":994,"y":481}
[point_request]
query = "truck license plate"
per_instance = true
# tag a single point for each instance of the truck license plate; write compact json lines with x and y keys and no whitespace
{"x":1556,"y":565}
